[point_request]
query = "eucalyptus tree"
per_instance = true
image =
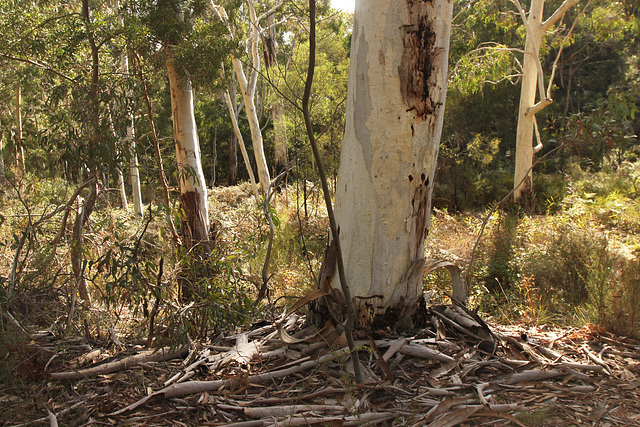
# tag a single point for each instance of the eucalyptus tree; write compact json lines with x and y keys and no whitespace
{"x":252,"y":35}
{"x":395,"y":106}
{"x":176,"y":25}
{"x":532,"y":78}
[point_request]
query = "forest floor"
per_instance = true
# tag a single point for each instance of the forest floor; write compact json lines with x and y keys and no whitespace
{"x":522,"y":368}
{"x":533,"y":376}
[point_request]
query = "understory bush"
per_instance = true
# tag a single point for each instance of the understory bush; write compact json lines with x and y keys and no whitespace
{"x":580,"y":264}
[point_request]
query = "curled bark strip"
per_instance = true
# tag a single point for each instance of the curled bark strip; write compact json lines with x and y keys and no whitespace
{"x":284,"y":336}
{"x":427,"y":353}
{"x":459,"y":288}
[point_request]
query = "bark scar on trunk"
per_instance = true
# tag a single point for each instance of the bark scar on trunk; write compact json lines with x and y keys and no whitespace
{"x":192,"y":223}
{"x":419,"y":51}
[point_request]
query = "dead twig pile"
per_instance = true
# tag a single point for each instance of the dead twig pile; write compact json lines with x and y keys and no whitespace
{"x":455,"y":370}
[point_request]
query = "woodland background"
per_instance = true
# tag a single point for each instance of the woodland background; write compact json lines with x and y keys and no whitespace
{"x":572,"y":259}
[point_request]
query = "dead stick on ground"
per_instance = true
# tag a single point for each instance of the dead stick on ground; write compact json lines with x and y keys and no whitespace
{"x":193,"y":387}
{"x":128,"y":362}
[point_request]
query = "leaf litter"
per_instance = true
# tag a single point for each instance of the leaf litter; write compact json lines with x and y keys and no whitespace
{"x":457,"y":371}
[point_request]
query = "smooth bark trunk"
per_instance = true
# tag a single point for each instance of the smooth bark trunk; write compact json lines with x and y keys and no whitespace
{"x":236,"y":129}
{"x":134,"y":171}
{"x":233,"y":161}
{"x":524,"y":135}
{"x":156,"y":147}
{"x":395,"y":112}
{"x":122,"y":189}
{"x":19,"y":148}
{"x":248,"y":90}
{"x":248,"y":95}
{"x":532,"y":81}
{"x":3,"y":177}
{"x":193,"y":190}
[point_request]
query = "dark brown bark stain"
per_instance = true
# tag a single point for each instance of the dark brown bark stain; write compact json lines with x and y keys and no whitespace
{"x":192,"y":224}
{"x":416,"y":67}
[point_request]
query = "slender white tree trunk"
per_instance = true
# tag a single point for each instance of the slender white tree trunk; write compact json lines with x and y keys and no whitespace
{"x":19,"y":146}
{"x":122,"y":189}
{"x":524,"y":134}
{"x":233,"y":112}
{"x":248,"y":95}
{"x":395,"y":111}
{"x":193,"y":190}
{"x":532,"y":80}
{"x":2,"y":172}
{"x":248,"y":90}
{"x":134,"y":172}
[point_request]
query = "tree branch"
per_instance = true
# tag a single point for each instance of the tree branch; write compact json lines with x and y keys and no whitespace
{"x":349,"y":324}
{"x":564,"y":42}
{"x":560,"y":11}
{"x":37,"y":64}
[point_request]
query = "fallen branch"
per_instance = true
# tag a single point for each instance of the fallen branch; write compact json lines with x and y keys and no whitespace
{"x":533,"y":375}
{"x":192,"y":387}
{"x":119,"y":365}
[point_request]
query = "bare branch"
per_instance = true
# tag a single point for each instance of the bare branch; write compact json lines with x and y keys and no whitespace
{"x":37,"y":64}
{"x":564,"y":42}
{"x":564,"y":7}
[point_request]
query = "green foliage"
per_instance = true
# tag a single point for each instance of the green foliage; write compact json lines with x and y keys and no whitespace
{"x":487,"y":64}
{"x":605,"y":133}
{"x":221,"y":298}
{"x":576,"y":264}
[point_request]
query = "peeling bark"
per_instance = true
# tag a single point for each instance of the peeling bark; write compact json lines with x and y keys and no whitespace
{"x":418,"y":59}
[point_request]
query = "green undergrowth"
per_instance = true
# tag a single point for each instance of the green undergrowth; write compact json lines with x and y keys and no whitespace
{"x":577,"y":264}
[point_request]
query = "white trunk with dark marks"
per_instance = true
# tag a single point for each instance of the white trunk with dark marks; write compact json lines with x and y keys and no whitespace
{"x":395,"y":111}
{"x":193,"y":190}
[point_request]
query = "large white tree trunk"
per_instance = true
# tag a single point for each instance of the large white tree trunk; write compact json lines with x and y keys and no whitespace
{"x":193,"y":190}
{"x":395,"y":111}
